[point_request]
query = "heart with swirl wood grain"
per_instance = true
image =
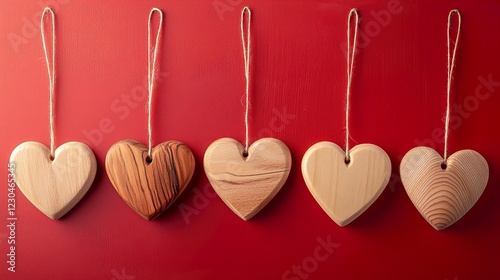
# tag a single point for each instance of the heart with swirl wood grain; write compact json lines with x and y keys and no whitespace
{"x":247,"y":184}
{"x":443,"y":193}
{"x":149,"y":185}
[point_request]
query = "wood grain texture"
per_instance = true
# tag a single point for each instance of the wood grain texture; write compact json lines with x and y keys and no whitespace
{"x":54,"y":186}
{"x":345,"y":191}
{"x":149,"y":188}
{"x":443,"y":196}
{"x":247,"y":184}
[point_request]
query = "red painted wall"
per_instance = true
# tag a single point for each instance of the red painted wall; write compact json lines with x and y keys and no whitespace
{"x":298,"y":96}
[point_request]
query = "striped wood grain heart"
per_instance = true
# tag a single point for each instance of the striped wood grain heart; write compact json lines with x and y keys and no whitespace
{"x":149,"y":186}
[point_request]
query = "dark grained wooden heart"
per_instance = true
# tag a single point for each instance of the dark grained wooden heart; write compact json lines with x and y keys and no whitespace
{"x":149,"y":186}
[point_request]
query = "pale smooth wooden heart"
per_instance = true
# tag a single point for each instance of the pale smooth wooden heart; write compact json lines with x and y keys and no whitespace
{"x":54,"y":186}
{"x":247,"y":184}
{"x":149,"y":187}
{"x":443,"y":196}
{"x":344,"y":191}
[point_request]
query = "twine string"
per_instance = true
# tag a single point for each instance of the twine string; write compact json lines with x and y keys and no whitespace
{"x":51,"y":69}
{"x":246,"y":58}
{"x":350,"y":66}
{"x":152,"y":70}
{"x":451,"y":66}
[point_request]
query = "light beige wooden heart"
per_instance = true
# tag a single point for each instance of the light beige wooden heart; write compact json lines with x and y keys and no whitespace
{"x":54,"y":186}
{"x":443,"y":196}
{"x":345,"y":190}
{"x":247,"y":184}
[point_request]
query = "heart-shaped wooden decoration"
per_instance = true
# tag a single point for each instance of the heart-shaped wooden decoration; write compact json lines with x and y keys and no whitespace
{"x":443,"y":194}
{"x":149,"y":186}
{"x":345,"y":190}
{"x":56,"y":185}
{"x":247,"y":184}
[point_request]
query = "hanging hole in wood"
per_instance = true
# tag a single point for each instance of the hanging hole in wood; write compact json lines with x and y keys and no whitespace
{"x":443,"y":166}
{"x":347,"y":160}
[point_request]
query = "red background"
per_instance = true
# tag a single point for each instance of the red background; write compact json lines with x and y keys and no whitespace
{"x":298,"y":70}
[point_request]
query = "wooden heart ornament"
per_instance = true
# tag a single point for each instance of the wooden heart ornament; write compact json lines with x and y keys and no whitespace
{"x":345,"y":190}
{"x":56,"y":185}
{"x":149,"y":185}
{"x":443,"y":194}
{"x":247,"y":184}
